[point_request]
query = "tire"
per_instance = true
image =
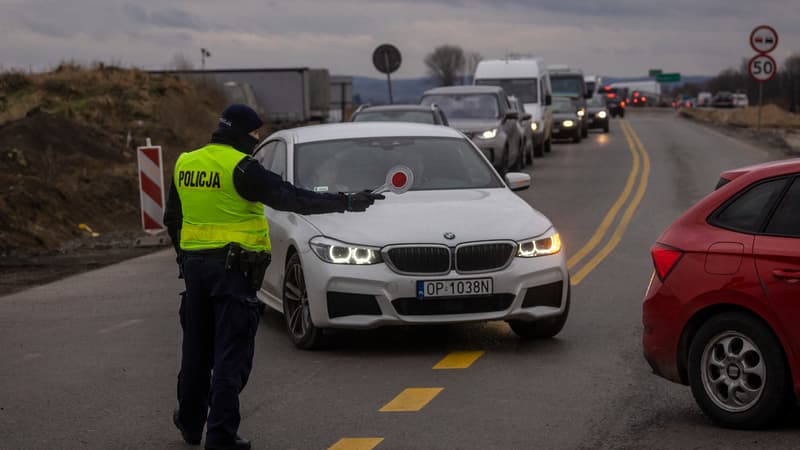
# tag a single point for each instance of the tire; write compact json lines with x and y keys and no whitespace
{"x":548,"y":145}
{"x":538,"y":152}
{"x":576,"y":138}
{"x":504,"y":161}
{"x":753,"y":361}
{"x":519,"y":161}
{"x":542,"y":329}
{"x":605,"y":127}
{"x":622,"y":114}
{"x":585,"y":131}
{"x":297,"y":315}
{"x":530,"y":152}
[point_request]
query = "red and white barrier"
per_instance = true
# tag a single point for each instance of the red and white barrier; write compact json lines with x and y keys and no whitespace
{"x":151,"y":187}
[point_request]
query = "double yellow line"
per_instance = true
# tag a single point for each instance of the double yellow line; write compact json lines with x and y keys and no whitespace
{"x":637,"y":179}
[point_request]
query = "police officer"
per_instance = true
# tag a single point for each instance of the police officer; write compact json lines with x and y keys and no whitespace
{"x":215,"y":217}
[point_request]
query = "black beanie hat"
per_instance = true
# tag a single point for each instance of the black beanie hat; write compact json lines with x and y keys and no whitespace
{"x":240,"y":119}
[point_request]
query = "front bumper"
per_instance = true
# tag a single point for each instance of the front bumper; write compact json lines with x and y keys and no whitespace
{"x":596,"y":122}
{"x":492,"y":148}
{"x":373,"y":296}
{"x":560,"y":132}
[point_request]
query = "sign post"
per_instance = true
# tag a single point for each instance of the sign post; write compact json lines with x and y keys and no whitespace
{"x":387,"y":59}
{"x":151,"y":187}
{"x":762,"y":67}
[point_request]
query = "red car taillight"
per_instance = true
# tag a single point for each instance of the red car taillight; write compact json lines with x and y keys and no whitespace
{"x":664,"y":259}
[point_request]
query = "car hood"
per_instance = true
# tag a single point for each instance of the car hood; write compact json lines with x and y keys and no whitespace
{"x":565,"y":116}
{"x":595,"y":109}
{"x":425,"y":216}
{"x":467,"y":126}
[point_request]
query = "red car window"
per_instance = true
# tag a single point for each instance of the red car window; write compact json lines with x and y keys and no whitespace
{"x":747,"y":211}
{"x":786,"y":220}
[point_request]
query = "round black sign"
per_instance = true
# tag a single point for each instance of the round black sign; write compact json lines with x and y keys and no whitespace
{"x":386,"y":58}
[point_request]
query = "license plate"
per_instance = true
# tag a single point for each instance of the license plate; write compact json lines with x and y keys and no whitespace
{"x":454,"y":288}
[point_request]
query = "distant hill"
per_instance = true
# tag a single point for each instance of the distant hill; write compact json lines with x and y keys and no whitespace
{"x":409,"y":90}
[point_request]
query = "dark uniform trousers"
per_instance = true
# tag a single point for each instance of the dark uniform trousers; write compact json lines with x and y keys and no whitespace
{"x":219,"y":315}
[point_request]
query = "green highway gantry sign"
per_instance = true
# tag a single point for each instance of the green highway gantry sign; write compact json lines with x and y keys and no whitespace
{"x":654,"y":73}
{"x":668,"y":77}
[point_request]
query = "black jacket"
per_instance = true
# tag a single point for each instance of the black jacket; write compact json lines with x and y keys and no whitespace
{"x":256,"y":184}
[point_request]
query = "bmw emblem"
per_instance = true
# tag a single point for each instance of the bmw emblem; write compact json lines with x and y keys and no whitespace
{"x":449,"y":236}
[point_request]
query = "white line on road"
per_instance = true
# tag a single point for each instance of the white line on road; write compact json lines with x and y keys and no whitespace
{"x":119,"y":326}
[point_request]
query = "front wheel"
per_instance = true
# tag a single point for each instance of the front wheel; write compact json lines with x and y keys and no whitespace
{"x":576,"y":138}
{"x":585,"y":132}
{"x":605,"y":127}
{"x":548,"y":145}
{"x":296,"y":310}
{"x":542,"y":329}
{"x":738,"y":372}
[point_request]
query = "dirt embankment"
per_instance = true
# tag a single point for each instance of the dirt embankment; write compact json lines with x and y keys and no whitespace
{"x":779,"y":128}
{"x":67,"y":148}
{"x":67,"y":157}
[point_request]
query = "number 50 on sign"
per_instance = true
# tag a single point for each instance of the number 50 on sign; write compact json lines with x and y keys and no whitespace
{"x":762,"y":68}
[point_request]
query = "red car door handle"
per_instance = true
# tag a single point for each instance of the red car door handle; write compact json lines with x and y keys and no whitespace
{"x":792,"y":276}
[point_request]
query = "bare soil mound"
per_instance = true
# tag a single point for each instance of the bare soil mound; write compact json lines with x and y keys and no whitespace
{"x":67,"y":148}
{"x":772,"y":116}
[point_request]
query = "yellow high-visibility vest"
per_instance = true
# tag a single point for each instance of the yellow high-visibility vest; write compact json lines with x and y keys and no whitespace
{"x":214,"y":214}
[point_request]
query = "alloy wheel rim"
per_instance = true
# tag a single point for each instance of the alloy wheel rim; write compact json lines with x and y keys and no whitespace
{"x":733,"y":371}
{"x":297,"y":314}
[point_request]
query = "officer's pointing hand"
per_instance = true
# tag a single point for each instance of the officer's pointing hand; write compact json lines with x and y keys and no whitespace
{"x":360,"y":201}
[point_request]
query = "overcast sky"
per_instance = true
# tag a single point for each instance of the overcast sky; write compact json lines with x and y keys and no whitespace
{"x":609,"y":37}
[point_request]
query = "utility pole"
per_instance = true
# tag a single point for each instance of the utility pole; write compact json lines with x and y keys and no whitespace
{"x":203,"y":55}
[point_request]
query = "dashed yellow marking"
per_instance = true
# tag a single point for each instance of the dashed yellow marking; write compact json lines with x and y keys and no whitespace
{"x":411,"y":399}
{"x":459,"y":360}
{"x":356,"y":444}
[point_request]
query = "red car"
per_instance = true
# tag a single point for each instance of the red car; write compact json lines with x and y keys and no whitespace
{"x":722,"y":312}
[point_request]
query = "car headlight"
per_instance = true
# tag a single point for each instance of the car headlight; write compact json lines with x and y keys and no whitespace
{"x":335,"y":252}
{"x":602,"y":114}
{"x":581,"y":112}
{"x":539,"y":247}
{"x":568,"y":123}
{"x":534,"y":126}
{"x":489,"y":134}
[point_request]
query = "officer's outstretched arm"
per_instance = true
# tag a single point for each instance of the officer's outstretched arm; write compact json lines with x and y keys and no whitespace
{"x":256,"y":184}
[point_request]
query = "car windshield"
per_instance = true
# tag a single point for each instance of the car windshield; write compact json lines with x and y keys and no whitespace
{"x":465,"y":106}
{"x":597,"y":101}
{"x":590,"y":85}
{"x":562,"y":105}
{"x":567,"y":85}
{"x":523,"y":89}
{"x":353,"y":165}
{"x":395,"y":116}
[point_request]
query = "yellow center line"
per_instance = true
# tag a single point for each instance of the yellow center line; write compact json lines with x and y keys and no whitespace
{"x":615,"y":239}
{"x":459,"y":360}
{"x":411,"y":399}
{"x":356,"y":444}
{"x":598,"y":235}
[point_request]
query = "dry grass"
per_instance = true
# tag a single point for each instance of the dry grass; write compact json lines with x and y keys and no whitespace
{"x":772,"y":116}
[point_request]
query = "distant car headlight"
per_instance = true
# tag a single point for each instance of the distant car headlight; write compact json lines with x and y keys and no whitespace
{"x":540,"y":247}
{"x":602,"y":114}
{"x":489,"y":134}
{"x":534,"y":126}
{"x":581,"y":112}
{"x":335,"y":252}
{"x":568,"y":124}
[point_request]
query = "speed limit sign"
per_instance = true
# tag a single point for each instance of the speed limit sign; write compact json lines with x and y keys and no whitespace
{"x":762,"y":68}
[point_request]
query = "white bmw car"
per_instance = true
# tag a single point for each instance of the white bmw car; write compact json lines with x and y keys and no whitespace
{"x":460,"y":246}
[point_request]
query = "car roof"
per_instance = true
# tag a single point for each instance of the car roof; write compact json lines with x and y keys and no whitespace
{"x":465,"y":90}
{"x":764,"y":170}
{"x":415,"y":107}
{"x":510,"y":68}
{"x":355,"y":130}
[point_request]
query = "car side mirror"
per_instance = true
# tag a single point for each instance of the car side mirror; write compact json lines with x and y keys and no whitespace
{"x":548,"y":100}
{"x":512,"y":115}
{"x":527,"y":116}
{"x":517,"y":181}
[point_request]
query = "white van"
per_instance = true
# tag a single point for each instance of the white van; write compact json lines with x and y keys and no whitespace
{"x":593,"y":84}
{"x":527,"y":80}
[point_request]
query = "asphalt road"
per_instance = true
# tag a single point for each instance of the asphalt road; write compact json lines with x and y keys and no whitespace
{"x":90,"y":361}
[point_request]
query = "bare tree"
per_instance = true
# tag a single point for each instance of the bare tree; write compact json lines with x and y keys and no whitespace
{"x":445,"y":64}
{"x":471,"y":60}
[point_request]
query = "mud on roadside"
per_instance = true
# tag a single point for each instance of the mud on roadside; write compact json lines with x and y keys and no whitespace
{"x":26,"y":269}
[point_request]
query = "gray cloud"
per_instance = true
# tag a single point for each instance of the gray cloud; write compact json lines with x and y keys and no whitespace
{"x":614,"y":37}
